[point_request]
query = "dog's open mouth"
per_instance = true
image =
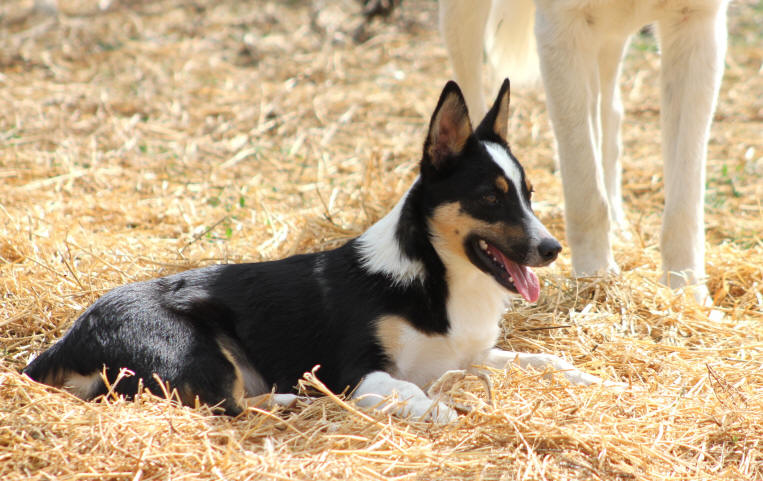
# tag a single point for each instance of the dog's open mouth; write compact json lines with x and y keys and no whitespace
{"x":514,"y":277}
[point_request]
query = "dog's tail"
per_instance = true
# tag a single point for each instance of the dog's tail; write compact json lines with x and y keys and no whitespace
{"x":46,"y":367}
{"x":55,"y":367}
{"x":72,"y":363}
{"x":510,"y":45}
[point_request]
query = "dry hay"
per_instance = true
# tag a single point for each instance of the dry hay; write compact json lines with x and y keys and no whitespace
{"x":158,"y":136}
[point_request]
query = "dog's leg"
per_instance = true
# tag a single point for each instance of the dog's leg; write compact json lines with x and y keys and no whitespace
{"x":499,"y":359}
{"x":610,"y":58}
{"x":693,"y":45}
{"x":381,"y":391}
{"x":271,"y":400}
{"x":462,"y":25}
{"x":568,"y":50}
{"x":443,"y":387}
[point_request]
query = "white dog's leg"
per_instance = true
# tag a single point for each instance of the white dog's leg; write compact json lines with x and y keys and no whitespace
{"x":568,"y":50}
{"x":499,"y":359}
{"x":462,"y":25}
{"x":381,"y":391}
{"x":693,"y":44}
{"x":610,"y":58}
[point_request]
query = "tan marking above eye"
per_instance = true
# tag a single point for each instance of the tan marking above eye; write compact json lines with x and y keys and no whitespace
{"x":528,"y":185}
{"x":502,"y":184}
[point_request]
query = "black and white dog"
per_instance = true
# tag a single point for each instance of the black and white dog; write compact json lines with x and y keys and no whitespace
{"x":417,"y":295}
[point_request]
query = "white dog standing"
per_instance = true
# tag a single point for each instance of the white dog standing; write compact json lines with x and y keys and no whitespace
{"x":580,"y":44}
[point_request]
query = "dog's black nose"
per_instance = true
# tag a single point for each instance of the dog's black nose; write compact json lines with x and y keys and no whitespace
{"x":548,"y":249}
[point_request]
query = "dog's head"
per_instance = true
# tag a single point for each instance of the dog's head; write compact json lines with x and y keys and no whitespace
{"x":478,"y":197}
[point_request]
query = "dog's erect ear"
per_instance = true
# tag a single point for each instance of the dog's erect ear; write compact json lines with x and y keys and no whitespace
{"x":496,"y":120}
{"x":449,"y":128}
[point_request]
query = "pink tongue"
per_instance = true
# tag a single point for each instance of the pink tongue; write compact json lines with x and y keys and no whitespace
{"x":525,"y":281}
{"x":523,"y":278}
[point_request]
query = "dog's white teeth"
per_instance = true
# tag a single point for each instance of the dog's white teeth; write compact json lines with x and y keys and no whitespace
{"x":483,"y":245}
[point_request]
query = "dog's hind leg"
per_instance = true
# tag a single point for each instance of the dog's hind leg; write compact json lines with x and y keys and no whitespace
{"x":462,"y":25}
{"x":568,"y":48}
{"x":610,"y":58}
{"x":693,"y":44}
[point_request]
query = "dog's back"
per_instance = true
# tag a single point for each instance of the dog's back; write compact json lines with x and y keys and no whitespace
{"x":222,"y":332}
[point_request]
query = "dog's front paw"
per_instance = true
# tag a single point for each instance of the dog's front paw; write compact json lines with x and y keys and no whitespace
{"x":445,"y":384}
{"x":444,"y":388}
{"x":414,"y":405}
{"x":384,"y":393}
{"x":272,"y":400}
{"x":431,"y":411}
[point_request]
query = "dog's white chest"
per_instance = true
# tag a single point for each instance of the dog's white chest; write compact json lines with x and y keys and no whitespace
{"x":424,"y":358}
{"x":474,"y":310}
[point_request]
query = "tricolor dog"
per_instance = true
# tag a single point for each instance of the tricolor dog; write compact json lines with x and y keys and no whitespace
{"x":580,"y":44}
{"x":417,"y":295}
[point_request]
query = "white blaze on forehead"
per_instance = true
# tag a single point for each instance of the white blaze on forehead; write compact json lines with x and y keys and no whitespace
{"x":535,"y":229}
{"x":380,"y":250}
{"x":509,"y":167}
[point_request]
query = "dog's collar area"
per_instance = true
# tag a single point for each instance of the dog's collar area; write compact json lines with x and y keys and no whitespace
{"x":511,"y":275}
{"x":380,"y":251}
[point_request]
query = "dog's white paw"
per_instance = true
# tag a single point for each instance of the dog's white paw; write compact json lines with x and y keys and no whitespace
{"x":272,"y":400}
{"x":417,"y":407}
{"x":547,"y":362}
{"x":689,"y":284}
{"x":446,"y":383}
{"x":433,"y":411}
{"x":592,"y":256}
{"x":442,"y":388}
{"x":384,"y":393}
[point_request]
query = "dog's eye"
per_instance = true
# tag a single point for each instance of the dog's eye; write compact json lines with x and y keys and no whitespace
{"x":490,"y":199}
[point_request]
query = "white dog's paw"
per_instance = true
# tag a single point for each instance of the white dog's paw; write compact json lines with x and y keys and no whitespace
{"x":589,"y":260}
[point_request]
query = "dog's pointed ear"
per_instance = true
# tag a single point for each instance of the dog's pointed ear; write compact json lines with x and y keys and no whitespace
{"x":496,"y":121}
{"x":449,"y":128}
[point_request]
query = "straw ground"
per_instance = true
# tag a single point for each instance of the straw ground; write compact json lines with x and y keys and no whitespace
{"x":158,"y":136}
